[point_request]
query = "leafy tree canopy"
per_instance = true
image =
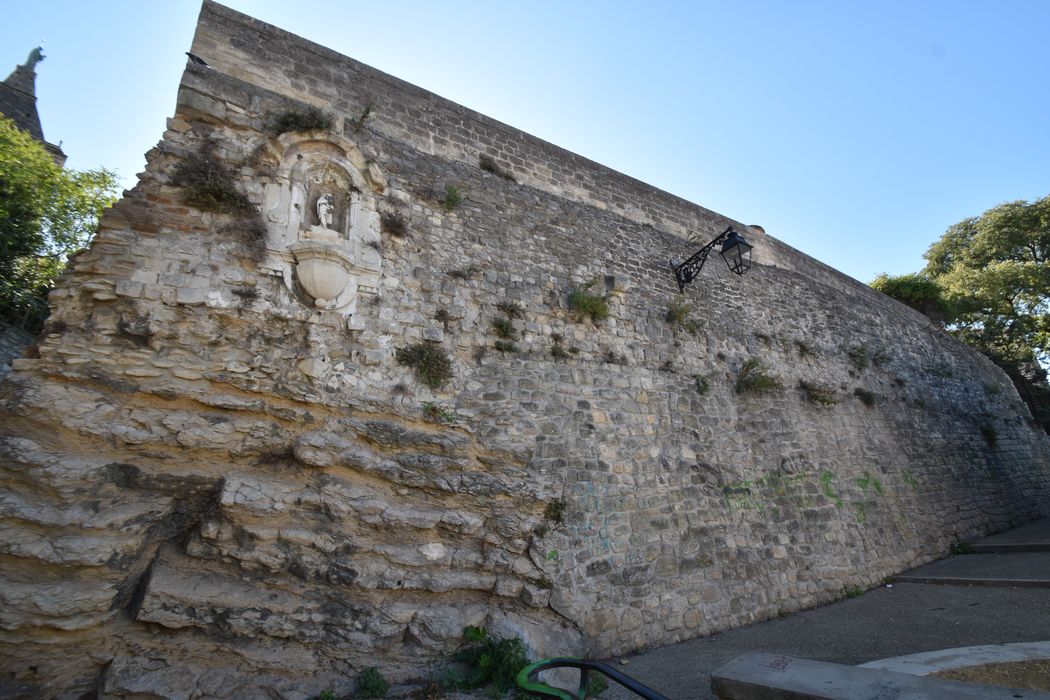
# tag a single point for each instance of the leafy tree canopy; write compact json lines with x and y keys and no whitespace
{"x":46,"y":214}
{"x":987,"y":278}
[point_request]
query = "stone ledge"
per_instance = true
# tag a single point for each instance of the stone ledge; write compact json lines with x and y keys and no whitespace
{"x":763,"y":676}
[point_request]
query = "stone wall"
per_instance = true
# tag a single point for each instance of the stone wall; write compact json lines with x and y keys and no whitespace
{"x":216,"y":486}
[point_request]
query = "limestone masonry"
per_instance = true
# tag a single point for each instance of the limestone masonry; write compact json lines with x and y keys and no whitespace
{"x":236,"y":464}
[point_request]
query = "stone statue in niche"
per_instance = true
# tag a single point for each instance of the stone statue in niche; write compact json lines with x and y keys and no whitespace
{"x":326,"y":223}
{"x":325,"y":209}
{"x":326,"y":226}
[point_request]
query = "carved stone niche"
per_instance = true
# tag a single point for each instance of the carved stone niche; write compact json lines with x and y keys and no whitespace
{"x":322,"y":223}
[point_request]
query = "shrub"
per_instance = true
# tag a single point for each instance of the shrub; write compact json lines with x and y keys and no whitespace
{"x":554,"y":511}
{"x":489,"y":165}
{"x":819,"y":393}
{"x":490,"y":662}
{"x":858,"y":355}
{"x":371,"y":684}
{"x":588,"y":305}
{"x":307,"y":119}
{"x":358,"y":122}
{"x":866,"y":397}
{"x":503,"y":328}
{"x":703,"y":384}
{"x":207,"y":185}
{"x":452,"y":199}
{"x":464,"y":273}
{"x":431,"y":364}
{"x":506,"y":346}
{"x":394,"y":223}
{"x":510,"y":309}
{"x":678,"y":317}
{"x":754,"y":378}
{"x":438,"y":414}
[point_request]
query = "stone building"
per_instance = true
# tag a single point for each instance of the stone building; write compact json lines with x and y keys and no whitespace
{"x":18,"y":102}
{"x":353,"y":367}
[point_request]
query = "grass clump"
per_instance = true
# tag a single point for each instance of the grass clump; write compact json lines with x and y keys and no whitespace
{"x":464,"y":273}
{"x":436,"y":413}
{"x":702,"y":383}
{"x":754,"y":378}
{"x":394,"y":223}
{"x":587,"y":305}
{"x":431,"y":364}
{"x":506,"y":346}
{"x":804,"y":349}
{"x":510,"y":309}
{"x":452,"y":199}
{"x":554,"y":511}
{"x":358,"y":122}
{"x":490,"y":662}
{"x":858,"y":355}
{"x":489,"y":165}
{"x":207,"y":184}
{"x":307,"y":119}
{"x":371,"y":684}
{"x":677,"y":316}
{"x":819,"y":394}
{"x":503,"y":327}
{"x":866,"y":397}
{"x":558,"y":349}
{"x":851,"y":590}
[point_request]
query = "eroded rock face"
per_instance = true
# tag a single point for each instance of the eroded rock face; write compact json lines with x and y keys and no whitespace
{"x":211,"y":485}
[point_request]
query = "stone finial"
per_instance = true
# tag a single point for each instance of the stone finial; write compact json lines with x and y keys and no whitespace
{"x":35,"y":57}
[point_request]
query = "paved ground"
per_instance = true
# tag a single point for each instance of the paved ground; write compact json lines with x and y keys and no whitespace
{"x":904,"y":618}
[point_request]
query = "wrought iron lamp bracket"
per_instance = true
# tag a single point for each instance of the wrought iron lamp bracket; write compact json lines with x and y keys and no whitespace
{"x":686,"y":271}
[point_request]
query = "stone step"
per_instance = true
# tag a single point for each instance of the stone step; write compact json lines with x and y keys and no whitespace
{"x":1007,"y":547}
{"x":1031,"y":537}
{"x":1030,"y":569}
{"x":764,"y":676}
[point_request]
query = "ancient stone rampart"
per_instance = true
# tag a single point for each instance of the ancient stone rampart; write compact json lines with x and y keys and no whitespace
{"x":222,"y":476}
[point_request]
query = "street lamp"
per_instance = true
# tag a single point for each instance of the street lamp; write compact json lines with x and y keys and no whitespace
{"x":735,"y":251}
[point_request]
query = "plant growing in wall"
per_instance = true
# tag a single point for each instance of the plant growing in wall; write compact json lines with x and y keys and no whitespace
{"x":308,"y":118}
{"x":755,"y":378}
{"x":394,"y":223}
{"x":208,"y":185}
{"x":866,"y":397}
{"x":371,"y":684}
{"x":677,"y":317}
{"x":489,"y":661}
{"x":820,"y":394}
{"x":436,"y":413}
{"x":452,"y":198}
{"x":587,"y":305}
{"x":558,"y":349}
{"x":503,"y":327}
{"x":489,"y":165}
{"x":358,"y":122}
{"x":431,"y":364}
{"x":702,"y":383}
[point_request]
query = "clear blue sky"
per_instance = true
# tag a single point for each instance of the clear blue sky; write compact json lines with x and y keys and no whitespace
{"x":854,"y":131}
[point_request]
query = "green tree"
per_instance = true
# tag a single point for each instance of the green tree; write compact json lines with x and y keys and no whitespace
{"x":918,"y":290}
{"x":987,"y":280}
{"x":46,"y":214}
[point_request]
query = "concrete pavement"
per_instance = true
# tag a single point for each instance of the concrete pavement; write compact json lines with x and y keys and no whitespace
{"x":887,"y":621}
